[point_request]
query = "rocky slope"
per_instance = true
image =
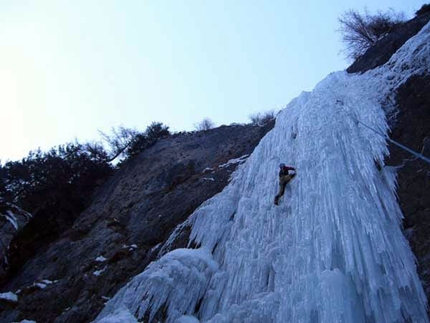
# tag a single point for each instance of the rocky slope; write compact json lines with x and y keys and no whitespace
{"x":124,"y":228}
{"x":412,"y":128}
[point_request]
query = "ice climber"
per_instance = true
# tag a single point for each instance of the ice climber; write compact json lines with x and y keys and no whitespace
{"x":284,"y":177}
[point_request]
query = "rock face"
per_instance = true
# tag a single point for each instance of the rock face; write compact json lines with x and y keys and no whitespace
{"x":387,"y":46}
{"x":124,"y":228}
{"x":413,"y":130}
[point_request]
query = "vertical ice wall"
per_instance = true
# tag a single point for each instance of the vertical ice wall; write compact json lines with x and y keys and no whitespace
{"x":332,"y":251}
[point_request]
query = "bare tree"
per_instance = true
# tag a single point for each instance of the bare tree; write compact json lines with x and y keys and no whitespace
{"x":123,"y":143}
{"x":142,"y":141}
{"x":361,"y":31}
{"x":118,"y":141}
{"x":261,"y":119}
{"x":205,"y":124}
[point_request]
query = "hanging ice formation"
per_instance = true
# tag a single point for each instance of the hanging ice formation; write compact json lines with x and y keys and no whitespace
{"x":332,"y":251}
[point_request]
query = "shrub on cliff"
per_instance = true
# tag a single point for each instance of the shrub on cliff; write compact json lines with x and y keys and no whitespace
{"x":66,"y":176}
{"x":261,"y":119}
{"x":361,"y":31}
{"x":142,"y":141}
{"x":124,"y":143}
{"x":63,"y":178}
{"x":204,"y":125}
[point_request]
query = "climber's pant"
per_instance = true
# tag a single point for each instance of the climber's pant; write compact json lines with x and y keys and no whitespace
{"x":283,"y":181}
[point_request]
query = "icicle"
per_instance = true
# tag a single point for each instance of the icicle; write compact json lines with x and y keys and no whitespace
{"x":176,"y":281}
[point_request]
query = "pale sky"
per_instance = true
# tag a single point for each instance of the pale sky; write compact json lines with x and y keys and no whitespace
{"x":71,"y":68}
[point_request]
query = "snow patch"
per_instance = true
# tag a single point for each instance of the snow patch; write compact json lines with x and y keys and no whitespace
{"x":155,"y":247}
{"x":234,"y":161}
{"x":40,"y":285}
{"x":9,"y":296}
{"x":101,"y":259}
{"x":20,"y":211}
{"x":99,"y":272}
{"x":133,"y":246}
{"x":11,"y":218}
{"x":44,"y":283}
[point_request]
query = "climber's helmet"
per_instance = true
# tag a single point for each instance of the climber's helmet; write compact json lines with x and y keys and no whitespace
{"x":282,"y":165}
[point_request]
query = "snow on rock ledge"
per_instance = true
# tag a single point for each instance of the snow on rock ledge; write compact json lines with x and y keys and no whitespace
{"x":9,"y":296}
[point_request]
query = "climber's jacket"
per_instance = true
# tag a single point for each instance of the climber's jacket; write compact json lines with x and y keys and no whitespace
{"x":284,"y":170}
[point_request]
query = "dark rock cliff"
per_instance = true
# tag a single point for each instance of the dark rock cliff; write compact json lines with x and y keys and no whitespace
{"x":124,"y":228}
{"x":413,"y":130}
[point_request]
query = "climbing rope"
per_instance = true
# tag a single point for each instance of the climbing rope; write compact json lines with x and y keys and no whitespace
{"x":416,"y":154}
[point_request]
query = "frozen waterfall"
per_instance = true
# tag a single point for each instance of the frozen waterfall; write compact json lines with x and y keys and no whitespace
{"x":332,"y":251}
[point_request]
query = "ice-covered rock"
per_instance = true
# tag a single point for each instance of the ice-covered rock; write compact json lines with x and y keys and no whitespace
{"x":177,"y":281}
